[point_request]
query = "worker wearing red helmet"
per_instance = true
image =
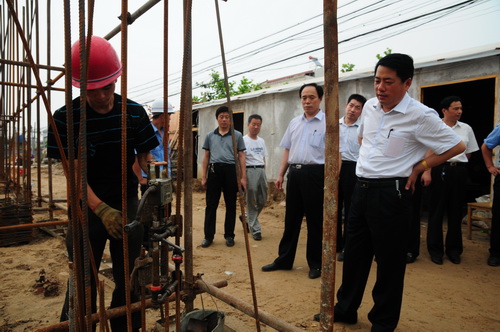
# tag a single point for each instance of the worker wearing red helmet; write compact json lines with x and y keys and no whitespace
{"x":104,"y":191}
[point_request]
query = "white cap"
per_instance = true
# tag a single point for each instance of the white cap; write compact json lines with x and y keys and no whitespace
{"x":158,"y":107}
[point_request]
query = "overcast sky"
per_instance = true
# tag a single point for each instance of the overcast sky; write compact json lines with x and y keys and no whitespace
{"x":258,"y":33}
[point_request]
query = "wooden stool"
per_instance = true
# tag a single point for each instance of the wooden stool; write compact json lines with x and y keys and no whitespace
{"x":485,"y":206}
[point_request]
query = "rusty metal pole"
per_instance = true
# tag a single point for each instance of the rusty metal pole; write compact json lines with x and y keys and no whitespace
{"x":38,"y":132}
{"x":331,"y":164}
{"x":49,"y":95}
{"x":124,"y":48}
{"x":185,"y":153}
{"x":31,"y":226}
{"x":27,"y":140}
{"x":241,"y":194}
{"x":120,"y":311}
{"x":246,"y":308}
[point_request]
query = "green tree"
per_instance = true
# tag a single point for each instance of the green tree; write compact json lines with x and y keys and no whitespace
{"x":346,"y":67}
{"x":216,"y":89}
{"x":386,"y":52}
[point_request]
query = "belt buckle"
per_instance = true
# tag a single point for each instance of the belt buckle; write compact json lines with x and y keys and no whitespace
{"x":298,"y":166}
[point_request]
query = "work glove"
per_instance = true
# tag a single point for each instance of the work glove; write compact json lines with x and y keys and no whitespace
{"x":111,"y":218}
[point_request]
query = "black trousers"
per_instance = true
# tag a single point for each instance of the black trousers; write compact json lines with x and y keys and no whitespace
{"x":378,"y":225}
{"x":304,"y":196}
{"x":221,"y":178}
{"x":495,"y":223}
{"x":347,"y":181}
{"x":98,"y":238}
{"x":447,"y":195}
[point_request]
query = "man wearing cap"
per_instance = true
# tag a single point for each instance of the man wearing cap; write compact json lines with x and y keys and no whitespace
{"x":158,"y":153}
{"x":103,"y":112}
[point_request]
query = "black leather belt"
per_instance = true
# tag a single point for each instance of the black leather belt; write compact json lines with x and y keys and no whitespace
{"x":454,"y":163}
{"x":256,"y":166}
{"x":302,"y":166}
{"x":383,"y":182}
{"x":348,"y":162}
{"x":222,"y":164}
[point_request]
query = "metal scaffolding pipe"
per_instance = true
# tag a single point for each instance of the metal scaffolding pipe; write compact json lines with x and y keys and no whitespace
{"x":132,"y":17}
{"x":246,"y":308}
{"x":21,"y":85}
{"x":120,"y":311}
{"x":27,"y":64}
{"x":32,"y":225}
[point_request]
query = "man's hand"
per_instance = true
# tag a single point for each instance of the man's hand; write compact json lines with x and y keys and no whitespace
{"x":111,"y":218}
{"x":493,"y":170}
{"x":279,"y":183}
{"x":426,"y":178}
{"x":244,"y":184}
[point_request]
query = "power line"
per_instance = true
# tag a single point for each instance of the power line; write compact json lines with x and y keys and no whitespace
{"x":414,"y":21}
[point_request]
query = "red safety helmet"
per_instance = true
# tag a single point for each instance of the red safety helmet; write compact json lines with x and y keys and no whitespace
{"x":104,"y":65}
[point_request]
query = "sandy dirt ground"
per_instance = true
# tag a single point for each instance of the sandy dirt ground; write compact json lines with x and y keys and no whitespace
{"x":449,"y":297}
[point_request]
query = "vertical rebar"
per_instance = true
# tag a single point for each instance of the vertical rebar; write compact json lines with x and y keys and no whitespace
{"x":241,"y":194}
{"x":49,"y":40}
{"x":38,"y":133}
{"x":124,"y":48}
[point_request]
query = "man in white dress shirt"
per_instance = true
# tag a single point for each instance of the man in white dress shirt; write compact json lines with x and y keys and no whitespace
{"x":447,"y":189}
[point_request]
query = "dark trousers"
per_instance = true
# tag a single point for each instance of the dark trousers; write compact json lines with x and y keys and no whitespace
{"x":495,"y":223}
{"x":447,"y":195}
{"x":414,"y":236}
{"x":378,"y":225}
{"x":304,"y":196}
{"x":98,"y":237}
{"x":347,"y":181}
{"x":221,"y":178}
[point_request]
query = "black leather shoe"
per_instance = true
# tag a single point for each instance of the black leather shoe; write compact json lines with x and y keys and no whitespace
{"x":437,"y":260}
{"x":340,"y":318}
{"x":229,"y":242}
{"x":410,"y":258}
{"x":206,"y":243}
{"x":273,"y":267}
{"x":493,"y":261}
{"x":455,"y":259}
{"x":314,"y":273}
{"x":257,"y":236}
{"x":341,"y":256}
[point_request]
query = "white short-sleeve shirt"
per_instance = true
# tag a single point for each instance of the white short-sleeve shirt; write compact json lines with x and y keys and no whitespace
{"x":465,"y":132}
{"x":256,"y":151}
{"x":394,"y":141}
{"x":306,"y":140}
{"x":349,"y":144}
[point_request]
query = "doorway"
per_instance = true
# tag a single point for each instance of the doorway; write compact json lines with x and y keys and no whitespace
{"x":478,"y":101}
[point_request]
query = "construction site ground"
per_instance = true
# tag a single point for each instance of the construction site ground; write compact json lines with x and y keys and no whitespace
{"x":440,"y":298}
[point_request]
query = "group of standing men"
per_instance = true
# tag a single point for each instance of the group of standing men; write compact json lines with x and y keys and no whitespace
{"x":219,"y":175}
{"x":383,"y":154}
{"x":399,"y":138}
